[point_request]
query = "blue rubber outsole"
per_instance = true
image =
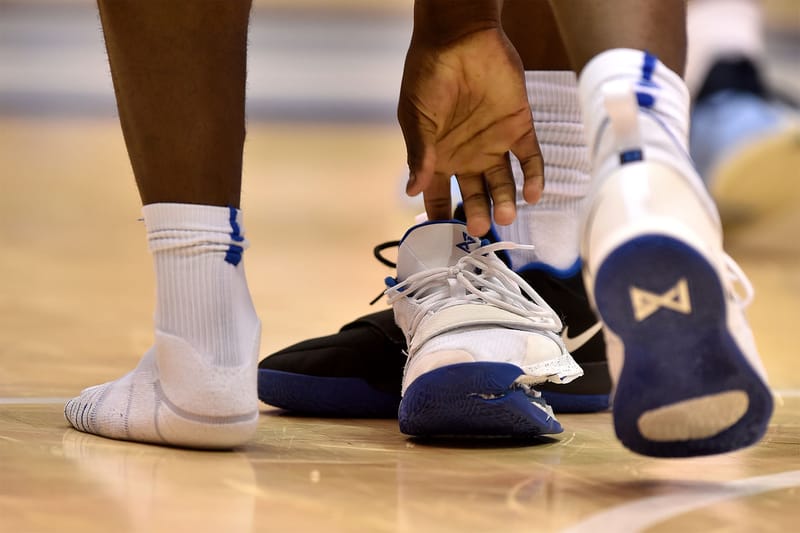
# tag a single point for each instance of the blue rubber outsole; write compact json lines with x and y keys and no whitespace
{"x":325,"y":396}
{"x":472,"y":399}
{"x":349,"y":397}
{"x":672,"y":355}
{"x":576,"y":403}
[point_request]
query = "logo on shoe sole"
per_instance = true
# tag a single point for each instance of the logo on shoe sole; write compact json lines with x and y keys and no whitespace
{"x":468,"y":241}
{"x":645,"y":303}
{"x":575,"y":343}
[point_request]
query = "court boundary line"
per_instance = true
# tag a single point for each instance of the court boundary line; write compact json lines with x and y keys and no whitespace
{"x":47,"y":400}
{"x":647,"y":512}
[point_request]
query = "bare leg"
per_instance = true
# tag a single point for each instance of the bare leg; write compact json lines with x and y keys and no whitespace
{"x":589,"y":27}
{"x":179,"y":75}
{"x":531,"y":27}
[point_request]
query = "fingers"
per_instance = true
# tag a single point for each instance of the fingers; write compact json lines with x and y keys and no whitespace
{"x":477,"y":206}
{"x":503,"y":191}
{"x":527,"y":150}
{"x":438,"y":204}
{"x":493,"y":190}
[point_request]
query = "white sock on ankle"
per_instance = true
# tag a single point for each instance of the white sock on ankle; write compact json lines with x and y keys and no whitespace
{"x":552,"y":224}
{"x":202,"y":291}
{"x":663,"y":114}
{"x":197,"y":385}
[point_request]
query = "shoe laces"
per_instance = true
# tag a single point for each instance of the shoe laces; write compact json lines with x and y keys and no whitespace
{"x":737,"y":278}
{"x":479,"y":277}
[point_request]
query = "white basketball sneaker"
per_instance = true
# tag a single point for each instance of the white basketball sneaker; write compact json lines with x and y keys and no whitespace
{"x":479,"y":339}
{"x":687,"y":374}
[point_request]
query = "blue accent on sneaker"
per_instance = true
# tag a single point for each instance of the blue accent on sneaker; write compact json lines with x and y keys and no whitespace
{"x":674,"y":355}
{"x":648,"y":65}
{"x":234,"y":252}
{"x":562,"y":402}
{"x":645,"y":99}
{"x":467,"y":242}
{"x":325,"y":396}
{"x":472,"y":399}
{"x":571,"y":271}
{"x":630,"y":156}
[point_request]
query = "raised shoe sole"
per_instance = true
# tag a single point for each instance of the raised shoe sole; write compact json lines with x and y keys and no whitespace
{"x":685,"y":387}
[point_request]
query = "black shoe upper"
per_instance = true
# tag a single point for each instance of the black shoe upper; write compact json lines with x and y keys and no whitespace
{"x":371,"y":348}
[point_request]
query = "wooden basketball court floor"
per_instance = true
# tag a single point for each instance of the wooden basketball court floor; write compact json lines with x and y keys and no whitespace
{"x":75,"y":310}
{"x":76,"y":303}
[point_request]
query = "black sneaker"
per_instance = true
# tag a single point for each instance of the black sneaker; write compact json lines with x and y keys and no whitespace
{"x":357,"y":372}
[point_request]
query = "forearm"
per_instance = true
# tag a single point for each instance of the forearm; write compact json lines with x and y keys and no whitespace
{"x":440,"y":22}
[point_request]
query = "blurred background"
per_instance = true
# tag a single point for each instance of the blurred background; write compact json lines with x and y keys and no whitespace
{"x":336,"y":60}
{"x":309,"y":60}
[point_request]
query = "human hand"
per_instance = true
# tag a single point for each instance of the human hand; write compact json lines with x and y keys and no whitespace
{"x":463,"y":107}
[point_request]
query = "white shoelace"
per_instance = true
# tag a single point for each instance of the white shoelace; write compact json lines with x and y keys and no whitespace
{"x":738,"y":278}
{"x":477,"y":278}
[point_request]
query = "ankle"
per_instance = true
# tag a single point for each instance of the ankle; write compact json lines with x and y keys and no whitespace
{"x":202,"y":293}
{"x":661,"y":107}
{"x":552,"y":224}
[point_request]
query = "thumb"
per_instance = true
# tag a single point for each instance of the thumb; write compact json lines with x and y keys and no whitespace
{"x":420,"y":150}
{"x":421,"y":175}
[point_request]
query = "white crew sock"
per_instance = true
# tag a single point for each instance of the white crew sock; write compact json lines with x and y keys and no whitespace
{"x":552,"y":224}
{"x":662,"y":130}
{"x":719,"y":29}
{"x":196,"y":386}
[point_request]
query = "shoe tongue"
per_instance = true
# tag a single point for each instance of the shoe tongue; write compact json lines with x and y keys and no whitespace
{"x":433,"y":245}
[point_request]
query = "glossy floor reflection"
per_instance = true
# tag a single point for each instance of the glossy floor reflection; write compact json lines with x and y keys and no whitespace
{"x":75,"y":310}
{"x":306,"y":474}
